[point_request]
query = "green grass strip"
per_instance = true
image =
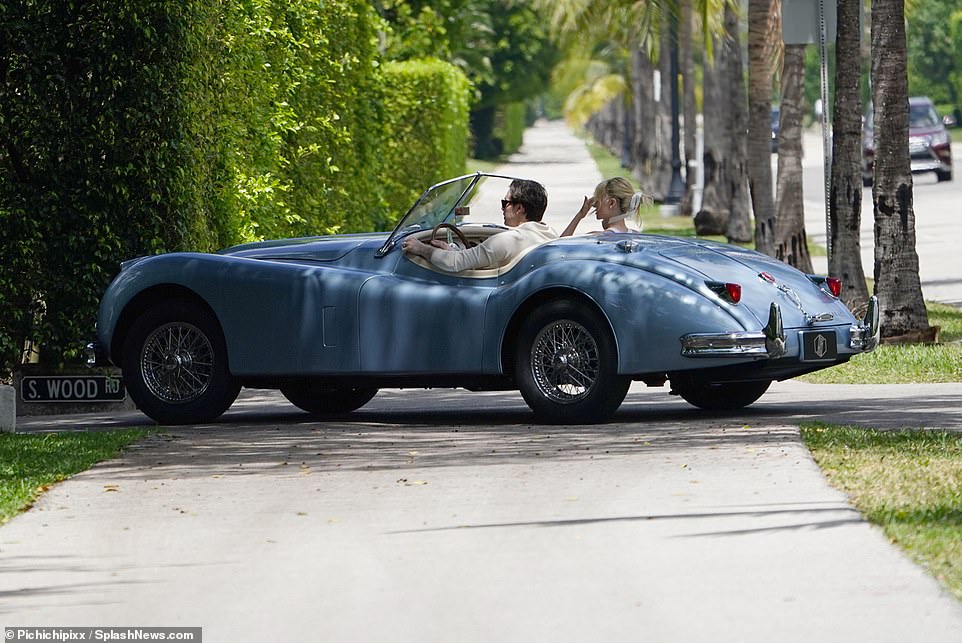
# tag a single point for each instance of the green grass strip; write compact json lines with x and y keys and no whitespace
{"x":909,"y":482}
{"x":30,"y":463}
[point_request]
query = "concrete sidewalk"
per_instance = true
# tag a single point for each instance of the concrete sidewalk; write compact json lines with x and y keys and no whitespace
{"x":447,"y":516}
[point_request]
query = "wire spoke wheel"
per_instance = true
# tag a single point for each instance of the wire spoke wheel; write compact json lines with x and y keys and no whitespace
{"x":566,"y":364}
{"x":565,"y":361}
{"x":177,"y":362}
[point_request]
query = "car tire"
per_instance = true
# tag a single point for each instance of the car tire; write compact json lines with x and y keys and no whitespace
{"x":566,"y":365}
{"x":175,"y":364}
{"x":719,"y":397}
{"x":944,"y":176}
{"x":321,"y":400}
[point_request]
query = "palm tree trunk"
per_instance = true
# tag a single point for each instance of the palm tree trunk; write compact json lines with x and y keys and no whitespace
{"x":761,"y":34}
{"x":726,"y":205}
{"x":688,"y":99}
{"x":791,"y":243}
{"x":643,"y":104}
{"x":896,"y":260}
{"x":663,"y":164}
{"x":845,"y":193}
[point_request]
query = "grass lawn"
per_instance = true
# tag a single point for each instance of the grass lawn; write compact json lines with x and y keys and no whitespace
{"x":889,"y":364}
{"x":31,"y":463}
{"x":907,"y":482}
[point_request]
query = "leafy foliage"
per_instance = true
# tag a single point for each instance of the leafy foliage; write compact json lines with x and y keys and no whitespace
{"x":934,"y":60}
{"x":162,"y":125}
{"x":428,"y":121}
{"x":503,"y":46}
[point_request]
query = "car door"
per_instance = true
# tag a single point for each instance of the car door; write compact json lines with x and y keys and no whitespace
{"x":418,"y":321}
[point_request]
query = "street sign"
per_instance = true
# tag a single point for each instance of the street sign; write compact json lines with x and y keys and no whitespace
{"x":803,"y":21}
{"x":72,"y":388}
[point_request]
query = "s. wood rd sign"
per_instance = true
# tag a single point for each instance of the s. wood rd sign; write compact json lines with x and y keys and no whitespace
{"x":72,"y":388}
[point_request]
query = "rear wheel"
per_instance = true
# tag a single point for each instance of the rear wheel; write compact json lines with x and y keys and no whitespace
{"x":566,"y":365}
{"x":943,"y":176}
{"x":719,"y":397}
{"x":327,"y":400}
{"x":175,"y":364}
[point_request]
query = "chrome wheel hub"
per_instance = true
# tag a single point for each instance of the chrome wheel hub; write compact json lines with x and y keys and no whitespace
{"x":177,"y":362}
{"x":565,"y":361}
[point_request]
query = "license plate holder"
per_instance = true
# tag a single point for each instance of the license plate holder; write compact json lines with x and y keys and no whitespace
{"x":818,"y":346}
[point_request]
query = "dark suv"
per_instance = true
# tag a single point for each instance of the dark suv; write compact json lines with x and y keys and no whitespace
{"x":929,"y":145}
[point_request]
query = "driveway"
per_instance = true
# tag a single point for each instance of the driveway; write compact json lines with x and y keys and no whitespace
{"x":446,"y":515}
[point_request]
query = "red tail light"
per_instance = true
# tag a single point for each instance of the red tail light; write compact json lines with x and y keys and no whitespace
{"x":834,"y":285}
{"x":731,"y":293}
{"x":734,"y":292}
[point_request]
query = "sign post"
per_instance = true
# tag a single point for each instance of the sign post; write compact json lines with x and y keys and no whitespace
{"x":805,"y":22}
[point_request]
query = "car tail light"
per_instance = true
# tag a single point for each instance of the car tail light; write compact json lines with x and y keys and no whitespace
{"x":834,"y":285}
{"x":831,"y":285}
{"x":732,"y":293}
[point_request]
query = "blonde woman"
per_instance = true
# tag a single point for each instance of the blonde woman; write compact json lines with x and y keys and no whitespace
{"x":614,"y":201}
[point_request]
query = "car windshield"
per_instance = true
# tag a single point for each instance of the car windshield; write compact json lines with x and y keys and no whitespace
{"x":475,"y":198}
{"x":923,"y":115}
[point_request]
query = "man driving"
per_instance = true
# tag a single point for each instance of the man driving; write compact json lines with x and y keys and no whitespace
{"x":523,"y":207}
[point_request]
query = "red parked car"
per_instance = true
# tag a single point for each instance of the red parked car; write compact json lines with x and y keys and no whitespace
{"x":930,"y":147}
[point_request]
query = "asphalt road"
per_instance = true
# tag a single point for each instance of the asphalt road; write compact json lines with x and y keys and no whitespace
{"x":937,"y":229}
{"x":447,"y":516}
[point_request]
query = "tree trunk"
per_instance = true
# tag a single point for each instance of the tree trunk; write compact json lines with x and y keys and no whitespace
{"x":761,"y":34}
{"x":791,"y":243}
{"x":688,"y":101}
{"x":726,"y":205}
{"x":643,"y":103}
{"x":845,"y":192}
{"x":663,"y":108}
{"x":896,"y":260}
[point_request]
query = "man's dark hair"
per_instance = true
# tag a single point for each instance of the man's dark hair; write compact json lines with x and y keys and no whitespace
{"x":532,"y":195}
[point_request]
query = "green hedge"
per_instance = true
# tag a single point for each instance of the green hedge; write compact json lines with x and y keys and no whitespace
{"x":158,"y":125}
{"x":427,"y":104}
{"x":510,"y":123}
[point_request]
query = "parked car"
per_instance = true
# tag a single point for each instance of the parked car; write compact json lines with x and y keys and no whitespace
{"x":330,"y":320}
{"x":930,"y":146}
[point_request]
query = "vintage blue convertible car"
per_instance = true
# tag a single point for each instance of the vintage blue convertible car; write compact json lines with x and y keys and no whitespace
{"x":570,"y":323}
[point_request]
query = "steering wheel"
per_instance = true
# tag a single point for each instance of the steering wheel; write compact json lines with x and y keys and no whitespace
{"x":450,"y":226}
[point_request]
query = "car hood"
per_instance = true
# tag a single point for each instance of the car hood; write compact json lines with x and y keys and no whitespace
{"x":328,"y":248}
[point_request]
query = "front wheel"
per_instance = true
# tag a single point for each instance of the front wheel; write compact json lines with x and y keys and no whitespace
{"x":719,"y":397}
{"x":175,"y":364}
{"x":321,"y":400}
{"x":566,"y":365}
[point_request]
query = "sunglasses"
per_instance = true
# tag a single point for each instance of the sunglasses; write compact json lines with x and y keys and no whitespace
{"x":506,"y":202}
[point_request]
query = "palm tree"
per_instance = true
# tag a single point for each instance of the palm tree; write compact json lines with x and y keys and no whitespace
{"x":845,"y":192}
{"x":632,"y":30}
{"x":762,"y":34}
{"x":897,"y":281}
{"x":689,"y":106}
{"x":791,"y":244}
{"x":726,"y":205}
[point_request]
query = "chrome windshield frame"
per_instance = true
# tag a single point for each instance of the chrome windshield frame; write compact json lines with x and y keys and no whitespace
{"x":437,"y":204}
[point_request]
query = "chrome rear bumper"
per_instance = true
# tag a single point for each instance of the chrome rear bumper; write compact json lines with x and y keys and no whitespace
{"x":769,"y":343}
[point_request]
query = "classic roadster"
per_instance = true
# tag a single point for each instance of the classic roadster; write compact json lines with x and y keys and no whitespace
{"x":570,"y":323}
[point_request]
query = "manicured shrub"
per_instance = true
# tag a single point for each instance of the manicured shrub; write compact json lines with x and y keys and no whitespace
{"x":426,"y":111}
